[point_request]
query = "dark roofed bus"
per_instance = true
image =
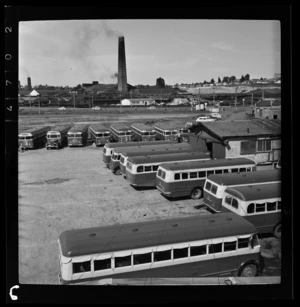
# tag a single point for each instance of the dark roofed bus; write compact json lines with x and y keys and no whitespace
{"x":108,"y":147}
{"x":34,"y":137}
{"x":77,"y":135}
{"x":166,"y":131}
{"x":182,"y":179}
{"x":99,"y":134}
{"x":215,"y":185}
{"x":259,"y":204}
{"x":141,"y":170}
{"x":204,"y":245}
{"x":125,"y":152}
{"x":142,"y":132}
{"x":120,"y":133}
{"x":57,"y":136}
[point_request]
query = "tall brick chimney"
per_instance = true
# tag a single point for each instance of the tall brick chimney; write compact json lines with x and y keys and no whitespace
{"x":29,"y":83}
{"x":122,"y":75}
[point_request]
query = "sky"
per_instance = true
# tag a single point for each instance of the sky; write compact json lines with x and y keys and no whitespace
{"x":72,"y":52}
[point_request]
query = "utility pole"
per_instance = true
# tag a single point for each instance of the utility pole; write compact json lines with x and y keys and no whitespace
{"x":262,"y":94}
{"x":120,"y":102}
{"x":74,"y":99}
{"x":235,"y":99}
{"x":92,"y":99}
{"x":252,"y":100}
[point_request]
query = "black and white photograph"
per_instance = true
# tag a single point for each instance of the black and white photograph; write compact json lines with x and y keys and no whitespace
{"x":149,"y":153}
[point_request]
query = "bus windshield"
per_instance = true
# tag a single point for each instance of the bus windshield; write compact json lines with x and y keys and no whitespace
{"x":25,"y":137}
{"x":168,"y":133}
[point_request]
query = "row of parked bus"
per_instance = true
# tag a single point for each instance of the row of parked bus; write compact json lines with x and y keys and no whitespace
{"x":244,"y":202}
{"x":181,"y":170}
{"x":78,"y":134}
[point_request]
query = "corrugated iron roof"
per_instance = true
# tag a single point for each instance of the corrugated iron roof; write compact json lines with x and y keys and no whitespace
{"x":244,"y":128}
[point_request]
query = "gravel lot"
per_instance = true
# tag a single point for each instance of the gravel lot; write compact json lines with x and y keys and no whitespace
{"x":71,"y":188}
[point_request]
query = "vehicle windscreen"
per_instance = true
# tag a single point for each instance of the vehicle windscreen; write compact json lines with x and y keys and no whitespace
{"x":128,"y":133}
{"x":25,"y":137}
{"x":168,"y":133}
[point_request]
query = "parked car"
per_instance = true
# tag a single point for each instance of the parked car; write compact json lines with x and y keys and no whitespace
{"x":96,"y":108}
{"x":205,"y":119}
{"x":216,"y":115}
{"x":61,"y":108}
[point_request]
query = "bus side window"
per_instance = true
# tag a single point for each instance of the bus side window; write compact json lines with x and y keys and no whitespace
{"x":271,"y":206}
{"x":79,"y":267}
{"x":228,"y":199}
{"x":193,"y":175}
{"x":215,"y":248}
{"x":202,"y":174}
{"x":198,"y":250}
{"x":225,"y":171}
{"x":102,"y":264}
{"x":184,"y":176}
{"x":260,"y":207}
{"x":122,"y":261}
{"x":243,"y":242}
{"x":234,"y":170}
{"x":250,"y":208}
{"x":180,"y":253}
{"x":279,"y":205}
{"x":148,"y":168}
{"x":142,"y":258}
{"x":155,"y":167}
{"x":218,"y":171}
{"x":163,"y":255}
{"x":235,"y":203}
{"x":210,"y":172}
{"x":177,"y":176}
{"x":230,"y":246}
{"x":242,"y":169}
{"x":140,"y":169}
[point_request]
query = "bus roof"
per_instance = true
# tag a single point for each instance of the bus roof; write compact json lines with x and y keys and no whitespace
{"x":142,"y":127}
{"x":127,"y":144}
{"x":36,"y":129}
{"x":99,"y":127}
{"x":157,"y":151}
{"x":246,"y":177}
{"x":60,"y":128}
{"x":166,"y":126}
{"x":256,"y":192}
{"x":169,"y":157}
{"x":152,"y":233}
{"x":78,"y":127}
{"x":176,"y":166}
{"x":151,"y":147}
{"x":120,"y":127}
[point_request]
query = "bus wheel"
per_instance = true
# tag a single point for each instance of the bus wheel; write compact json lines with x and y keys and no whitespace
{"x":196,"y":193}
{"x":277,"y":231}
{"x":248,"y":270}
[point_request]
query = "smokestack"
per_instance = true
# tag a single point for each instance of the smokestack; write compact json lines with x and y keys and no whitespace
{"x":29,"y":83}
{"x":122,"y":75}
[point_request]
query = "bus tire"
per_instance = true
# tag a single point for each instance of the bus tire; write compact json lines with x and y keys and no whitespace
{"x":248,"y":270}
{"x":196,"y":193}
{"x":277,"y":231}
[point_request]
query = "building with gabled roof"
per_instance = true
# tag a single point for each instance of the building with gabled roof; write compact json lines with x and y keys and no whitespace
{"x":256,"y":139}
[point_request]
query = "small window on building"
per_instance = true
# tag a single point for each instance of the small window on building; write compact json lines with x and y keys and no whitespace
{"x":202,"y":174}
{"x":198,"y":250}
{"x":122,"y":261}
{"x":80,"y":267}
{"x":264,"y":145}
{"x":215,"y":248}
{"x":193,"y":175}
{"x":271,"y":206}
{"x":248,"y":147}
{"x":140,"y":169}
{"x":162,"y":256}
{"x":180,"y":253}
{"x":260,"y":208}
{"x":102,"y":264}
{"x":142,"y":258}
{"x":177,"y":176}
{"x":250,"y":208}
{"x":184,"y":176}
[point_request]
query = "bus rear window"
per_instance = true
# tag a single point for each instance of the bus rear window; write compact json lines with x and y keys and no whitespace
{"x":148,"y":168}
{"x":207,"y":186}
{"x":228,"y":199}
{"x":177,"y":176}
{"x":140,"y":169}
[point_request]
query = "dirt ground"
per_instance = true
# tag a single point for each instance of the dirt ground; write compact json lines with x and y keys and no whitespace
{"x":71,"y":188}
